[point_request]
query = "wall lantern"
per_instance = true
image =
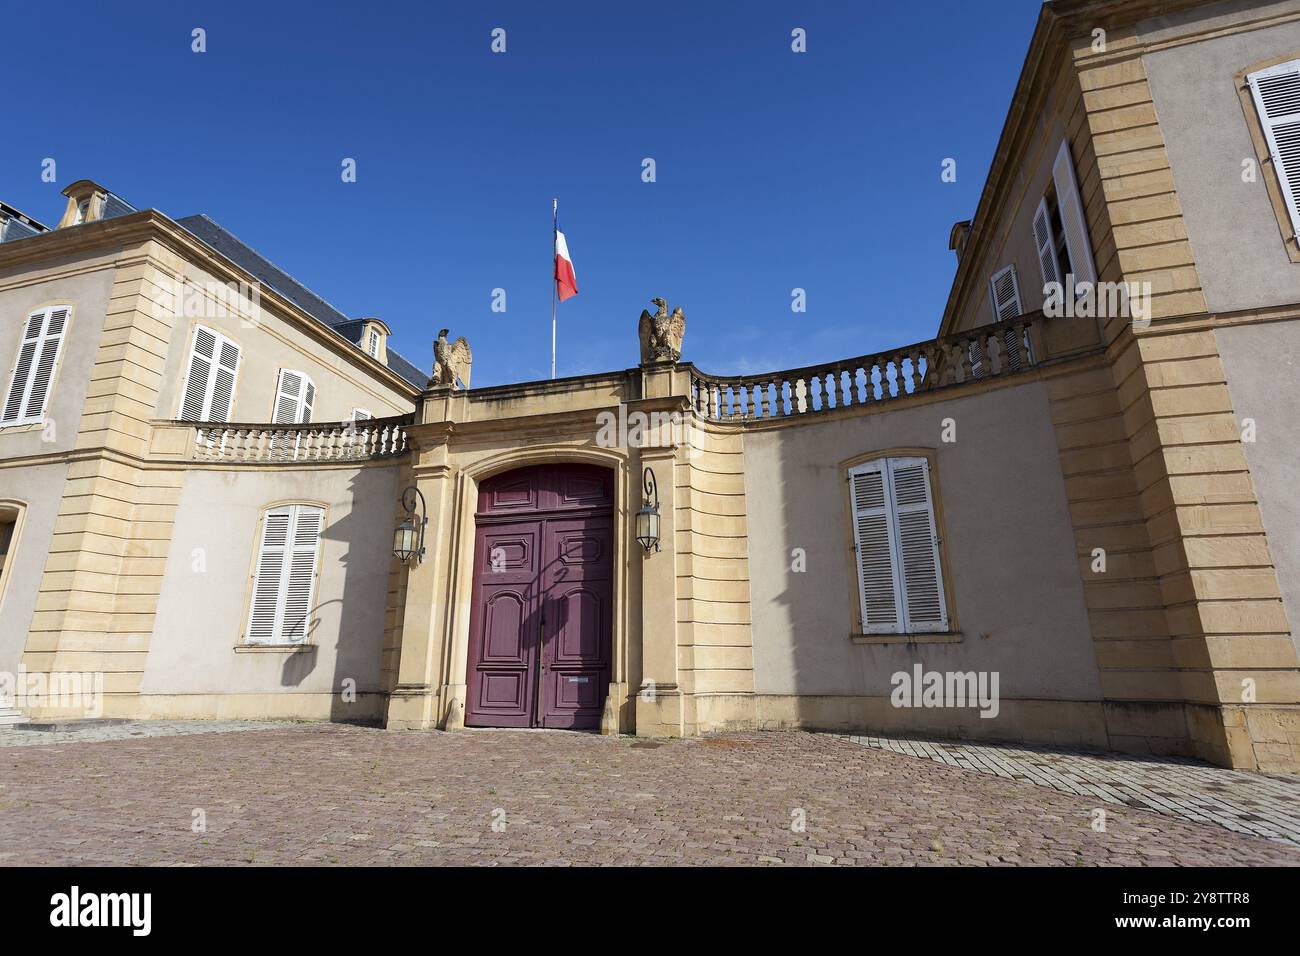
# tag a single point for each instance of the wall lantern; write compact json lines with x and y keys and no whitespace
{"x":647,"y":519}
{"x":408,"y":538}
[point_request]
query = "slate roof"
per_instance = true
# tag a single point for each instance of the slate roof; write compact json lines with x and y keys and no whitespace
{"x":272,"y":276}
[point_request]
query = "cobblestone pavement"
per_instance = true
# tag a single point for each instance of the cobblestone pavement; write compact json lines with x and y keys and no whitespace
{"x":321,"y":794}
{"x":18,"y":736}
{"x":1267,"y":805}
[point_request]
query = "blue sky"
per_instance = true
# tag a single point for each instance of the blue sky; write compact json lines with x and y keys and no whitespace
{"x":774,"y":170}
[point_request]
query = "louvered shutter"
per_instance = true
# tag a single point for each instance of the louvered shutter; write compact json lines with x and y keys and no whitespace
{"x":194,"y":400}
{"x":300,"y":575}
{"x":223,"y":385}
{"x":1045,"y":246}
{"x":285,"y":578}
{"x":47,"y":360}
{"x":28,"y":343}
{"x":265,"y":609}
{"x":1073,"y":222}
{"x":1277,"y":99}
{"x":208,"y":393}
{"x":924,"y":609}
{"x":1005,"y":294}
{"x":33,"y":372}
{"x":294,"y":395}
{"x":878,"y":583}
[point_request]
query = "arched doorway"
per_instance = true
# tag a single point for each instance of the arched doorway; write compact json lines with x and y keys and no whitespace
{"x":541,"y":618}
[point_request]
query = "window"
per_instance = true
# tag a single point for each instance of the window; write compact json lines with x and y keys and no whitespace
{"x":900,"y":581}
{"x":208,"y":392}
{"x":294,"y":394}
{"x":83,"y":211}
{"x":284,"y":581}
{"x":1061,"y":231}
{"x":33,"y":371}
{"x":1276,"y":92}
{"x":9,"y":515}
{"x":1005,"y":293}
{"x":372,"y":343}
{"x":361,"y":415}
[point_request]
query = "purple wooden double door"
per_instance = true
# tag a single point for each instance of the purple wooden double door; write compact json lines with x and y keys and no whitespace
{"x":541,"y":624}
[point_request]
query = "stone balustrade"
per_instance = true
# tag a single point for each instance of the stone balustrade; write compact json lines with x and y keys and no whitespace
{"x":987,"y":352}
{"x":314,"y":442}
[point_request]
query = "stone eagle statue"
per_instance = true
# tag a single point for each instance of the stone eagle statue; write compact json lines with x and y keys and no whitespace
{"x":451,"y":362}
{"x":661,"y":334}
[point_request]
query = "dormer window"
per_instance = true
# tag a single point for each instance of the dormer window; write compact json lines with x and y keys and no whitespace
{"x":374,"y":339}
{"x":86,"y":202}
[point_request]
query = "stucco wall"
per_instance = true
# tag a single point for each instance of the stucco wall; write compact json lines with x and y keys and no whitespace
{"x":1240,"y":252}
{"x":1013,"y":238}
{"x":1015,"y":582}
{"x":83,"y":283}
{"x":40,"y":489}
{"x":1262,"y":363}
{"x":342,"y":384}
{"x":201,"y":615}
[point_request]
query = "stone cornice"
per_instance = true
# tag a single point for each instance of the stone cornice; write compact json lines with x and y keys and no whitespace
{"x":1058,"y":23}
{"x":152,"y":225}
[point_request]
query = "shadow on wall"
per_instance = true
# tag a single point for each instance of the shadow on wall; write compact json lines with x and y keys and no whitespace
{"x":354,"y":586}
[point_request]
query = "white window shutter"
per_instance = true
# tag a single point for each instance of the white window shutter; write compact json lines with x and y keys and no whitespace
{"x":265,"y":607}
{"x":284,"y":582}
{"x":300,"y":575}
{"x":208,"y":392}
{"x":1073,"y":222}
{"x":879,"y":594}
{"x":39,"y":346}
{"x":918,"y":546}
{"x":1005,"y":294}
{"x":194,"y":393}
{"x":223,"y":385}
{"x":1045,"y":245}
{"x":294,"y":395}
{"x":1277,"y":99}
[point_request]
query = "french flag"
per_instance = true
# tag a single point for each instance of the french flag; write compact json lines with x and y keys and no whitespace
{"x":565,"y":282}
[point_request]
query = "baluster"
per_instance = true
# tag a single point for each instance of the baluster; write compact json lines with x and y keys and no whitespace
{"x":829,"y":400}
{"x":964,"y":368}
{"x":993,"y":351}
{"x":914,"y":361}
{"x":800,"y":396}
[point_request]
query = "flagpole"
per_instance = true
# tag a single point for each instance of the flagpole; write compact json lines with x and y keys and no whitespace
{"x":555,"y":228}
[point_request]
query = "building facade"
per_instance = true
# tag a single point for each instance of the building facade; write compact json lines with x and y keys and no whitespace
{"x":1065,"y":519}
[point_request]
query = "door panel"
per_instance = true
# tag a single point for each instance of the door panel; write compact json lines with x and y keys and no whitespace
{"x":503,"y":626}
{"x":578,"y":595}
{"x":541,"y":623}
